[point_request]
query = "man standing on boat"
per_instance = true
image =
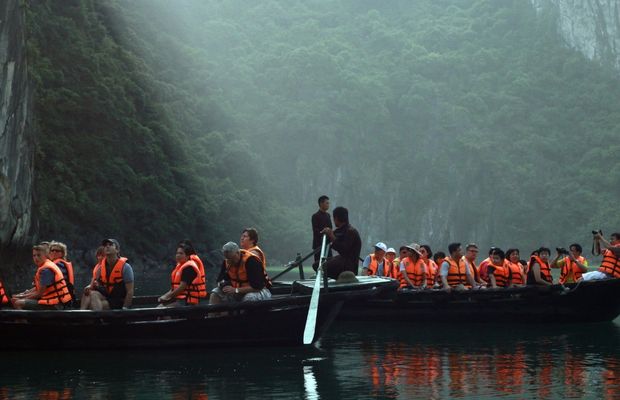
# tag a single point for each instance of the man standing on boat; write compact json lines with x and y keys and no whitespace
{"x":112,"y":286}
{"x":346,"y":241}
{"x":320,"y":221}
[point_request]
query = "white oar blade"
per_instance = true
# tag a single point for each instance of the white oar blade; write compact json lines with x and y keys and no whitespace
{"x":313,"y":310}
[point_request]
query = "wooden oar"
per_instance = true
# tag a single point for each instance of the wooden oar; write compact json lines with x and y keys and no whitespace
{"x":314,"y":300}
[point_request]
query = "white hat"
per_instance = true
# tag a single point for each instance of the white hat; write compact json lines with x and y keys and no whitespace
{"x":415,"y":247}
{"x":391,"y":250}
{"x":381,"y":246}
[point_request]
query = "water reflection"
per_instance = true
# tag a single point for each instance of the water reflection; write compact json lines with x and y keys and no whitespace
{"x":392,"y":361}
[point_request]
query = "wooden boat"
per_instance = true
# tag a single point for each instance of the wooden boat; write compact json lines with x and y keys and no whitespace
{"x":278,"y":321}
{"x":592,"y":301}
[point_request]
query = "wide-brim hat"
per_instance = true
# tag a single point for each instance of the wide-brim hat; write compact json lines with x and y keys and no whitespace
{"x":415,"y":247}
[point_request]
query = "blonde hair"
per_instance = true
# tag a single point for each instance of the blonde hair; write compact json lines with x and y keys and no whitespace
{"x":60,"y":245}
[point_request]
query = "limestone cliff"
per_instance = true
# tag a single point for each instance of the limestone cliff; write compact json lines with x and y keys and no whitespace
{"x":590,"y":26}
{"x":16,"y":138}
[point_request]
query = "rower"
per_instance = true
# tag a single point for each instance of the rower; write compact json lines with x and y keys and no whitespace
{"x":412,"y":269}
{"x":249,"y":242}
{"x":187,"y":283}
{"x":375,"y":263}
{"x":498,"y":271}
{"x":58,"y":255}
{"x":539,"y":272}
{"x":610,"y":266}
{"x":50,"y":290}
{"x":345,"y":239}
{"x":516,"y":273}
{"x":454,"y":272}
{"x":430,"y":266}
{"x":390,"y":256}
{"x":571,"y":262}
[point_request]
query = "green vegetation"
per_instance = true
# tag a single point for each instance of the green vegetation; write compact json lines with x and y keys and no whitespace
{"x":431,"y":120}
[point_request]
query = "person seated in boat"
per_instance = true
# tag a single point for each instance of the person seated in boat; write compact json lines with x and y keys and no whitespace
{"x":113,"y":283}
{"x":610,"y":265}
{"x":243,"y":277}
{"x":194,"y":256}
{"x":390,"y":256}
{"x":571,"y":263}
{"x":539,"y":270}
{"x":85,"y":300}
{"x":58,"y":255}
{"x":516,"y":273}
{"x":375,"y":263}
{"x":483,"y":268}
{"x":412,"y":269}
{"x":471,"y":252}
{"x":429,"y":265}
{"x":438,"y":257}
{"x":4,"y":297}
{"x":50,"y":291}
{"x":454,"y":272}
{"x":498,"y":270}
{"x":402,"y":254}
{"x":187,"y":283}
{"x":249,"y":242}
{"x":346,"y":241}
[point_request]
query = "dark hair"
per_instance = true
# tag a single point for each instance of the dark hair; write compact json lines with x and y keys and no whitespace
{"x":523,"y":262}
{"x":452,"y":247}
{"x":188,"y":250}
{"x":187,"y":243}
{"x":471,"y":246}
{"x":492,"y":249}
{"x":510,"y":251}
{"x":429,"y":252}
{"x":100,"y":251}
{"x":616,"y":235}
{"x":253,"y":234}
{"x":322,"y":199}
{"x":402,"y":248}
{"x":541,"y":249}
{"x":577,"y":247}
{"x":342,"y":214}
{"x":438,"y":255}
{"x":498,"y":252}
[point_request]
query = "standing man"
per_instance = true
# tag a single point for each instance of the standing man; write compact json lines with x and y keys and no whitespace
{"x":113,"y":283}
{"x":346,"y":241}
{"x":320,"y":221}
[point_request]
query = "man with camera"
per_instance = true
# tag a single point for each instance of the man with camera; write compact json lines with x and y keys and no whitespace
{"x":571,"y":262}
{"x":610,"y":266}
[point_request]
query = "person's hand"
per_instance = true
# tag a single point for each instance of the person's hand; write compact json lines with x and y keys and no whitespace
{"x":87,"y":290}
{"x":326,"y":231}
{"x":228,"y":289}
{"x":164,"y":298}
{"x":94,"y":285}
{"x":598,"y":236}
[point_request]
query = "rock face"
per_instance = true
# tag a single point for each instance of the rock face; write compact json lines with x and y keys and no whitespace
{"x":590,"y":26}
{"x":16,"y":138}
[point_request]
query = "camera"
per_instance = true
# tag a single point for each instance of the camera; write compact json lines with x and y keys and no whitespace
{"x":561,"y":250}
{"x":224,"y":283}
{"x":599,"y":232}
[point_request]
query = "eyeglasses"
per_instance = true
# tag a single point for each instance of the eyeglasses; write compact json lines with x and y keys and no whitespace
{"x":422,"y":251}
{"x":473,"y":251}
{"x":55,"y":251}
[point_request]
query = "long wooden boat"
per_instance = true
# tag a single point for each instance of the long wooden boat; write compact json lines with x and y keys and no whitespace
{"x":592,"y":301}
{"x":277,"y":321}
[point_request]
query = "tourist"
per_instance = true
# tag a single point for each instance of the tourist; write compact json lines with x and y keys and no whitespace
{"x":187,"y":283}
{"x":429,"y":264}
{"x":249,"y":242}
{"x":471,"y":252}
{"x":390,"y":256}
{"x":376,"y":263}
{"x":346,"y":241}
{"x":539,"y":272}
{"x":516,"y":272}
{"x":412,"y":269}
{"x":571,"y":263}
{"x":58,"y":255}
{"x":454,"y":272}
{"x":85,"y":301}
{"x":498,"y":270}
{"x":610,"y":266}
{"x":4,"y":298}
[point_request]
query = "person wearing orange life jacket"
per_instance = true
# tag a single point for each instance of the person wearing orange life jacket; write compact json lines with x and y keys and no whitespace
{"x":187,"y":283}
{"x":412,"y":269}
{"x":516,"y":274}
{"x":85,"y":301}
{"x":429,"y":264}
{"x":194,"y":257}
{"x":610,"y":265}
{"x":454,"y":272}
{"x":483,"y":268}
{"x":438,"y":257}
{"x":243,"y":277}
{"x":571,"y":263}
{"x":376,"y":263}
{"x":50,"y":290}
{"x":390,"y":256}
{"x":471,"y":252}
{"x":58,"y":255}
{"x":249,"y":242}
{"x":4,"y":298}
{"x":539,"y":272}
{"x":498,"y":270}
{"x":114,"y":279}
{"x":402,"y":254}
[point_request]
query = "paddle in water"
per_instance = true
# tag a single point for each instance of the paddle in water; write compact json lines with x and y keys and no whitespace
{"x":314,"y":300}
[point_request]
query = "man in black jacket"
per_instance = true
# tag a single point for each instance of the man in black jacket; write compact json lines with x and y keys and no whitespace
{"x":346,"y":241}
{"x":320,"y":221}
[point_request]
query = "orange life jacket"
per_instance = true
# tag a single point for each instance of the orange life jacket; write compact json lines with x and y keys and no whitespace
{"x":570,"y":266}
{"x":545,"y":270}
{"x":396,"y":268}
{"x":201,"y":268}
{"x":114,"y":283}
{"x":431,"y":272}
{"x":515,"y":273}
{"x":610,"y":264}
{"x":373,"y":267}
{"x":238,"y":273}
{"x":483,"y":269}
{"x":501,"y":274}
{"x":195,"y":290}
{"x":4,"y":299}
{"x":473,"y":269}
{"x":68,"y":267}
{"x":457,"y":272}
{"x":57,"y":292}
{"x":414,"y":271}
{"x":260,"y":254}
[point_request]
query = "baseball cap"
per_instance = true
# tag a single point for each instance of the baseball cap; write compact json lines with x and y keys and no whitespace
{"x":381,"y":246}
{"x":113,"y":241}
{"x":391,"y":250}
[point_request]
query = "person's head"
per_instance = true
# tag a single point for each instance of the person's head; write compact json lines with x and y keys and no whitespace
{"x":380,"y":250}
{"x":341,"y":216}
{"x":57,"y":250}
{"x":513,"y":255}
{"x":100,"y":254}
{"x":249,"y":238}
{"x":544,"y":253}
{"x":615,"y":238}
{"x":439,"y":256}
{"x":413,"y":251}
{"x":111,"y":247}
{"x":39,"y":254}
{"x":323,"y":203}
{"x":426,"y":252}
{"x":471,"y":251}
{"x":497,"y":256}
{"x":575,"y":249}
{"x":402,"y":252}
{"x":390,"y":254}
{"x":187,"y":243}
{"x":232,"y":253}
{"x":183,"y":253}
{"x":455,"y":250}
